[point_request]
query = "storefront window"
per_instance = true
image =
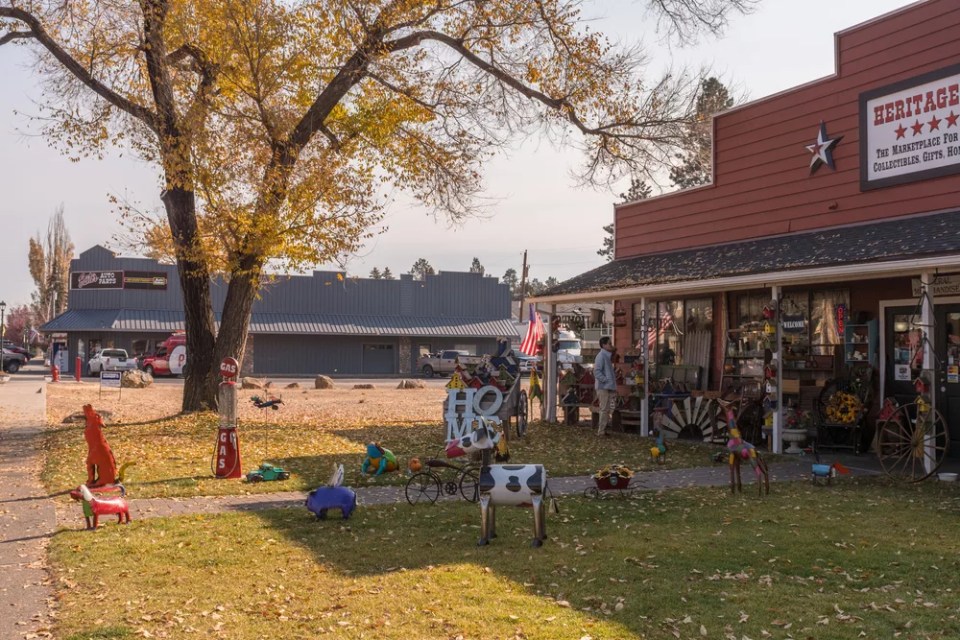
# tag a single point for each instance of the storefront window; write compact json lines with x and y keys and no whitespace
{"x":823,"y":319}
{"x":671,"y":323}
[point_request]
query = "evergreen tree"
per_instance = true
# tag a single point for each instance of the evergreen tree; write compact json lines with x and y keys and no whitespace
{"x":387,"y":274}
{"x":697,"y":161}
{"x":375,"y":274}
{"x":421,"y":269}
{"x":476,"y":267}
{"x":511,"y":280}
{"x":639,"y":190}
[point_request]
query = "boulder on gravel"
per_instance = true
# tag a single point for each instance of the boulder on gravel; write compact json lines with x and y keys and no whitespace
{"x":136,"y":379}
{"x":79,"y":418}
{"x":293,"y":385}
{"x":323,"y":382}
{"x":365,"y":385}
{"x":252,"y":383}
{"x":411,"y":384}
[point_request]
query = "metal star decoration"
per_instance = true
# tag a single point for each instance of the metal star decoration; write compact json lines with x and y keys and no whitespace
{"x":822,"y":149}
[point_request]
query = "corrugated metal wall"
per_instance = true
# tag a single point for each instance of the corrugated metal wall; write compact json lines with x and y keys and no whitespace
{"x":310,"y":355}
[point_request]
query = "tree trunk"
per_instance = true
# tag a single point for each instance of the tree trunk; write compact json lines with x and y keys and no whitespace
{"x":200,"y":387}
{"x":238,"y":308}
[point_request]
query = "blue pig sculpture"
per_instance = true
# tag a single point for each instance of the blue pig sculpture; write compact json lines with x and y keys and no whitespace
{"x":332,"y":496}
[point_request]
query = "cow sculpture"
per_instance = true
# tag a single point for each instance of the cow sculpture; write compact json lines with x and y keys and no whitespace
{"x":518,"y":485}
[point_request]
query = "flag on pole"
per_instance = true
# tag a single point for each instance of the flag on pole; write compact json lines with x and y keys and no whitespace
{"x":535,"y":332}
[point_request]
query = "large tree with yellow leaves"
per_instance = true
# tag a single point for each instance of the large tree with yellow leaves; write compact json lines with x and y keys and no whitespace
{"x":278,"y":124}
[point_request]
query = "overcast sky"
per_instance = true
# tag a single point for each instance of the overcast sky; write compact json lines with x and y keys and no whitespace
{"x":534,"y":203}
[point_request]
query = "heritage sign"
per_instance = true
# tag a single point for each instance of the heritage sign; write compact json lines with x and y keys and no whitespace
{"x":148,"y":280}
{"x":910,"y":130}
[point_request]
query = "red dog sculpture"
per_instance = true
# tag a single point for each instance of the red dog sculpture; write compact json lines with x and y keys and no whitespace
{"x":105,"y":506}
{"x":101,"y":465}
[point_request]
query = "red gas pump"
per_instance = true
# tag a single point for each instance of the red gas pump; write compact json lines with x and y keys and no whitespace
{"x":78,"y":365}
{"x":227,"y":453}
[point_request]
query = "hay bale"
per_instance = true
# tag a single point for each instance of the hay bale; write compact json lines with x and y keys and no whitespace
{"x":252,"y":383}
{"x":411,"y":384}
{"x":136,"y":380}
{"x":323,"y":382}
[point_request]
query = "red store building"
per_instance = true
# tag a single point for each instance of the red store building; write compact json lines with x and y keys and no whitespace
{"x":837,"y":202}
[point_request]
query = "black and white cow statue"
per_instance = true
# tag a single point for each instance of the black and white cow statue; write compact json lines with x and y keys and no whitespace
{"x":517,"y":485}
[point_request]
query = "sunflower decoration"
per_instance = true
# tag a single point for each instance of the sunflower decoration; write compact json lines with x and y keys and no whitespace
{"x":843,"y":408}
{"x":619,"y":470}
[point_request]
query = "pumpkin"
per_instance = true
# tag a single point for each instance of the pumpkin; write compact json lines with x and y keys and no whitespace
{"x":414,"y":465}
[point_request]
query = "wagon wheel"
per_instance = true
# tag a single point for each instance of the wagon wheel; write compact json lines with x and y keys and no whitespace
{"x":422,"y":487}
{"x":522,"y":409}
{"x":591,"y":492}
{"x":908,"y":443}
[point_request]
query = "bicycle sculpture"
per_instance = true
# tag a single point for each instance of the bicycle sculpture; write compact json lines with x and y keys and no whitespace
{"x":428,"y":482}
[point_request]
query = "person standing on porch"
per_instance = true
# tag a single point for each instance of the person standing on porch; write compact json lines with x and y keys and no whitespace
{"x":606,"y":382}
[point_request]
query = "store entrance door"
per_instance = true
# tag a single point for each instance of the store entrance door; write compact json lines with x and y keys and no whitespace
{"x":904,"y":360}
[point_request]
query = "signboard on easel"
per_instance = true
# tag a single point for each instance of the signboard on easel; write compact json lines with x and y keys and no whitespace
{"x":111,"y":380}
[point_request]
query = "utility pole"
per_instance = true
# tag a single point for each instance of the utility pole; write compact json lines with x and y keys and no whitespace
{"x":523,"y":284}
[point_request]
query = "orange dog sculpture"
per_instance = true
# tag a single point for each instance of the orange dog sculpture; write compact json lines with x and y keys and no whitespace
{"x":101,"y":465}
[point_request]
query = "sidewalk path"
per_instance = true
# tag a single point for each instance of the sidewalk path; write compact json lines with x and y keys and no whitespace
{"x":718,"y":475}
{"x":27,"y":515}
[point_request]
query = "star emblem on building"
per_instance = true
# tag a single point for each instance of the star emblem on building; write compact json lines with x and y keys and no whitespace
{"x":952,"y":119}
{"x":934,"y":123}
{"x":917,"y":128}
{"x":822,"y":149}
{"x":901,"y":131}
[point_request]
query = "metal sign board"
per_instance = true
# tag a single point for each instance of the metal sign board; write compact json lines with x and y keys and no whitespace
{"x":110,"y":379}
{"x":145,"y":280}
{"x":96,"y":280}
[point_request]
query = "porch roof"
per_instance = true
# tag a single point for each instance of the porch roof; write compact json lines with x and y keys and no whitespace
{"x":902,"y":246}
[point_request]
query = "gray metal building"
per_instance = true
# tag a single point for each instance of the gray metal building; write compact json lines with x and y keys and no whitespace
{"x":301,"y":325}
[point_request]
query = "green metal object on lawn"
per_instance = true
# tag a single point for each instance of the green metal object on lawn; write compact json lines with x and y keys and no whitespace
{"x":267,"y":473}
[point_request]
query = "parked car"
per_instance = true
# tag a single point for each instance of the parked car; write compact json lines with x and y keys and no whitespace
{"x":445,"y":362}
{"x":10,"y":346}
{"x":13,"y":361}
{"x":528,"y":363}
{"x":110,"y":360}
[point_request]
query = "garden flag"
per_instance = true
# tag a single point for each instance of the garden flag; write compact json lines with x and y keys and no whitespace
{"x":535,"y":331}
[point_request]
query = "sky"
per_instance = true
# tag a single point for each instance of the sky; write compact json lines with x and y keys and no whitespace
{"x":534,"y":204}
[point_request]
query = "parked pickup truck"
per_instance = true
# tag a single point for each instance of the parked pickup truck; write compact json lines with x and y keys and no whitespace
{"x":445,"y":362}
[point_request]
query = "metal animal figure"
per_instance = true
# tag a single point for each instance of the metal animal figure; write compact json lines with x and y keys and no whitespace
{"x":741,"y":450}
{"x":105,"y":506}
{"x":520,"y":485}
{"x":101,"y":465}
{"x":332,"y":496}
{"x":379,"y":460}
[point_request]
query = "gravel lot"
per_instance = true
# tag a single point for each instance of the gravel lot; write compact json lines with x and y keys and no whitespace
{"x":384,"y":404}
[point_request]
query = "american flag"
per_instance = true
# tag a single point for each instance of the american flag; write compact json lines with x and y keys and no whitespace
{"x":655,"y":333}
{"x":535,"y":332}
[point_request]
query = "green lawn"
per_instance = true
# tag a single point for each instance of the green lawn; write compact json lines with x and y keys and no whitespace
{"x":173,"y":455}
{"x":863,"y":558}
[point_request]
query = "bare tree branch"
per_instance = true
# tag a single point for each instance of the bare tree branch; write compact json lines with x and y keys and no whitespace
{"x":14,"y":35}
{"x":139,"y":112}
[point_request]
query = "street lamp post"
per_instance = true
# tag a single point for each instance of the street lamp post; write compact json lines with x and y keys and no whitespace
{"x":3,"y":332}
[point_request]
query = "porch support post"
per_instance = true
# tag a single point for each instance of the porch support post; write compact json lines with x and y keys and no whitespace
{"x":645,"y":398}
{"x":550,"y":370}
{"x":926,"y":324}
{"x":776,"y":434}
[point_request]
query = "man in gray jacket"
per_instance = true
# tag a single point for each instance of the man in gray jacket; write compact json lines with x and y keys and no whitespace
{"x":606,"y":382}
